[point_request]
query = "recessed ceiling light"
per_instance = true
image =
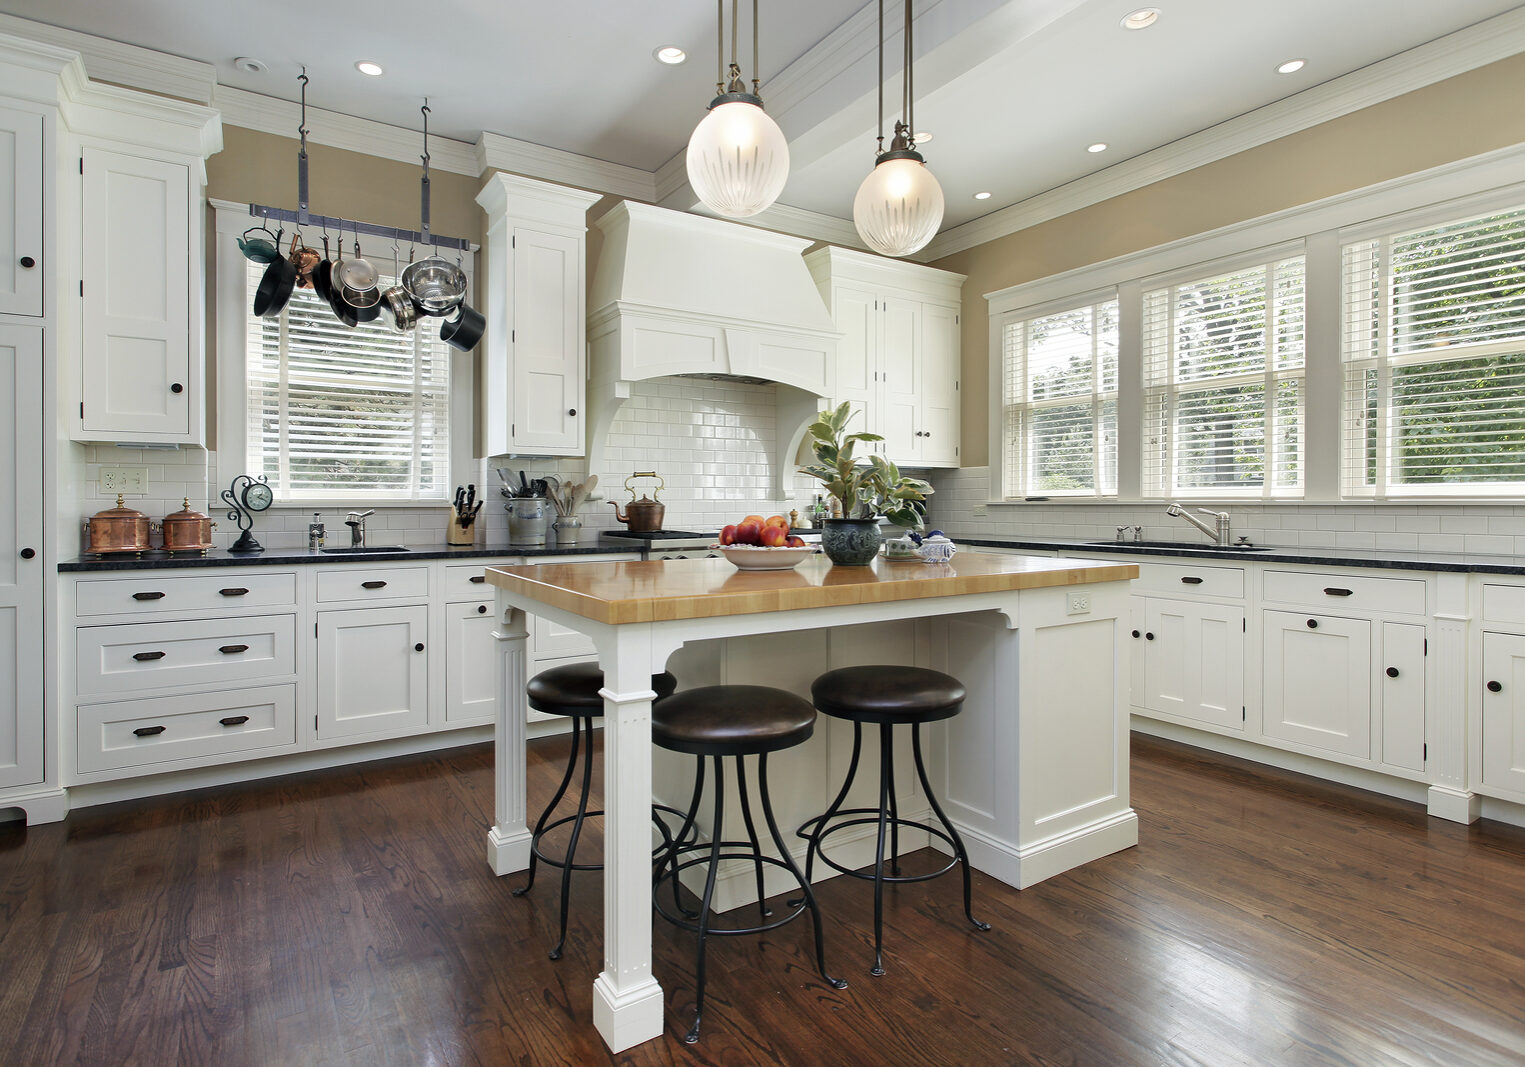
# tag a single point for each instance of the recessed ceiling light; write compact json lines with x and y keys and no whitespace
{"x":1097,"y":147}
{"x":1141,"y":19}
{"x":1291,"y":66}
{"x":250,"y":65}
{"x":670,"y":54}
{"x":365,"y":66}
{"x":923,"y":137}
{"x":982,"y":196}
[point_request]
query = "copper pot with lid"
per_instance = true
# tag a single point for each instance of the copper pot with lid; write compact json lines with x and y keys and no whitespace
{"x":187,"y":530}
{"x":118,"y":529}
{"x":643,"y":515}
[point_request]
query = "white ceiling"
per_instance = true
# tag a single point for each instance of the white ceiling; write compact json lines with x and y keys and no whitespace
{"x":1013,"y":91}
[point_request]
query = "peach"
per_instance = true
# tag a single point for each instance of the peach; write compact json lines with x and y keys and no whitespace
{"x":773,"y":536}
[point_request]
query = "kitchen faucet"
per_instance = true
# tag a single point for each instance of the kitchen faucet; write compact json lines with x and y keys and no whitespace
{"x":355,"y":520}
{"x":1220,"y":536}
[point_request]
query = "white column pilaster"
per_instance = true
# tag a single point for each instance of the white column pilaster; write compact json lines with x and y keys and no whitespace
{"x":508,"y":842}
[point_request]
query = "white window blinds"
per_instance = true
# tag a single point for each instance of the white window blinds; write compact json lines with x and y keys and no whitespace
{"x":1223,"y":384}
{"x":1434,"y":348}
{"x":1061,"y":403}
{"x":336,"y":412}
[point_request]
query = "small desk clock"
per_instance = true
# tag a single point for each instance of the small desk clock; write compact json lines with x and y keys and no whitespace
{"x":245,"y":497}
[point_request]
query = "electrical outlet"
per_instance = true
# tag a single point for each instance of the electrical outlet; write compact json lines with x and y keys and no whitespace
{"x":979,"y":509}
{"x":1078,"y":604}
{"x":129,"y":481}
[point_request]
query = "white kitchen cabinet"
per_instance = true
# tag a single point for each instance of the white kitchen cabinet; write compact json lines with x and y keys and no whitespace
{"x":470,"y":668}
{"x":1317,"y":672}
{"x":1189,"y":662}
{"x":1401,"y":679}
{"x":372,"y":671}
{"x":535,"y":370}
{"x":1503,"y":725}
{"x":898,"y":359}
{"x":21,"y":557}
{"x":21,"y":213}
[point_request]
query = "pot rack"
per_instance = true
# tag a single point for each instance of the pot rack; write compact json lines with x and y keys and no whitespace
{"x":302,"y":217}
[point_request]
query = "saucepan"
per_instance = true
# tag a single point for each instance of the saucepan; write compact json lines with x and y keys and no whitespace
{"x":465,"y":330}
{"x":436,"y":285}
{"x":396,"y":300}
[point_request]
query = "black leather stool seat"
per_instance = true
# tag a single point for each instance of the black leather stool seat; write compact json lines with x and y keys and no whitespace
{"x":732,"y":720}
{"x":573,"y":689}
{"x":888,"y":694}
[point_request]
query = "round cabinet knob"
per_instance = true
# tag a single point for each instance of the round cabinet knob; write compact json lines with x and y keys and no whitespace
{"x":27,"y":262}
{"x":1392,"y":672}
{"x":1494,"y":687}
{"x":1313,"y":624}
{"x":481,"y":609}
{"x":177,"y":388}
{"x":28,"y":553}
{"x":572,"y":412}
{"x":418,"y":647}
{"x":1135,"y":633}
{"x":1149,"y":637}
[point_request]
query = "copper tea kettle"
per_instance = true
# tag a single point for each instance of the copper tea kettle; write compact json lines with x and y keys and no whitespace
{"x":643,"y":515}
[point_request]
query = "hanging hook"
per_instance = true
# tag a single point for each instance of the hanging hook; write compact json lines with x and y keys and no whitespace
{"x":302,"y":155}
{"x":423,"y":194}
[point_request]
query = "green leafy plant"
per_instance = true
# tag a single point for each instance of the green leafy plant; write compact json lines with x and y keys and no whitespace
{"x":869,"y":488}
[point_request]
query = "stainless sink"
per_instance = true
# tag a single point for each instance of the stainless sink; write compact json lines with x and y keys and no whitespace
{"x":1181,"y":546}
{"x":355,"y":550}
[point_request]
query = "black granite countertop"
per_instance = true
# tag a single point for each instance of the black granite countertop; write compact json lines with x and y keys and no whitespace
{"x":1386,"y":559}
{"x":285,"y":557}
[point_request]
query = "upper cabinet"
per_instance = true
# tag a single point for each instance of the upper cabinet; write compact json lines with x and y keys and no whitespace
{"x":536,"y":361}
{"x":21,"y":267}
{"x":898,"y":358}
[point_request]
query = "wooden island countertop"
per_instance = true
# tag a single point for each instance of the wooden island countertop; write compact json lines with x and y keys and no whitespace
{"x":651,"y":591}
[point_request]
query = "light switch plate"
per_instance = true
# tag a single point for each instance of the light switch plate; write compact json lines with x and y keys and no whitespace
{"x":979,"y":509}
{"x":129,"y":481}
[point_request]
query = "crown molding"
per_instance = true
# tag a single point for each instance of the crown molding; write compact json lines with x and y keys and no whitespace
{"x":497,"y":152}
{"x":1476,"y":46}
{"x":123,"y":64}
{"x":111,"y":112}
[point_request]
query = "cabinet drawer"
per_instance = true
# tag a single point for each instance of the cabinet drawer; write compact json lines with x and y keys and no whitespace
{"x":201,"y":729}
{"x":372,"y":583}
{"x":1178,"y":578}
{"x":1504,"y":603}
{"x":466,"y":581}
{"x":1329,"y":591}
{"x":236,"y":590}
{"x":220,"y":652}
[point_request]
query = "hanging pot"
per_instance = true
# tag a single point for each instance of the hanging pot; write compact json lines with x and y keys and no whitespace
{"x":357,"y":282}
{"x":400,"y":304}
{"x":465,"y":330}
{"x":257,"y":249}
{"x":342,"y":311}
{"x":306,"y":260}
{"x":436,"y":285}
{"x":321,"y":274}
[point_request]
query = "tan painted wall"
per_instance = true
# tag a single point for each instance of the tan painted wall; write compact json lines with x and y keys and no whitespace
{"x":1463,"y":116}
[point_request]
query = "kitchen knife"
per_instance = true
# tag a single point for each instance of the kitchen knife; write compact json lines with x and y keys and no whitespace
{"x":460,"y":497}
{"x":471,"y":496}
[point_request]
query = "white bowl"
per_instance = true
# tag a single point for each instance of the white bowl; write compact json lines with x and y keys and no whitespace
{"x":758,"y":558}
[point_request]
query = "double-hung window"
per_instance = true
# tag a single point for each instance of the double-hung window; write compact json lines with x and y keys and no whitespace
{"x":1061,"y":403}
{"x":1223,"y":383}
{"x":1434,"y":347}
{"x":335,"y":413}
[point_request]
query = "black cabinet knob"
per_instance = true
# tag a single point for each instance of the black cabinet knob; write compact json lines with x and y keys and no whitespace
{"x":28,"y":553}
{"x":1149,"y":637}
{"x":1313,"y":624}
{"x":1135,"y":633}
{"x":1494,"y":687}
{"x":418,"y":647}
{"x":481,"y":609}
{"x":571,"y":411}
{"x":27,"y":262}
{"x":177,"y":388}
{"x":1392,"y":672}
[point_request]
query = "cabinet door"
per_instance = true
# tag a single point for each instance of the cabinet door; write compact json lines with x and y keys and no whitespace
{"x":372,"y":671}
{"x":938,"y":427}
{"x":1318,"y":681}
{"x":470,"y":664}
{"x":136,"y":381}
{"x":1194,"y":662}
{"x":20,"y":213}
{"x":546,"y":343}
{"x":21,"y":580}
{"x":1402,"y":682}
{"x":855,"y":314}
{"x":1504,"y":712}
{"x":899,"y":378}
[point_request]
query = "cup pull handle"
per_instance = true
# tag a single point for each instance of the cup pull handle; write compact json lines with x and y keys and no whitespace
{"x":234,"y":720}
{"x":148,"y":596}
{"x":478,"y":579}
{"x":1334,"y":591}
{"x":233,"y":650}
{"x":1191,"y":579}
{"x":143,"y":657}
{"x":148,"y":731}
{"x":373,"y":585}
{"x":233,"y":591}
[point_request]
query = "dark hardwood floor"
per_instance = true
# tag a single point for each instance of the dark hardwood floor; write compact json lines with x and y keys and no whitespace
{"x":348,"y":917}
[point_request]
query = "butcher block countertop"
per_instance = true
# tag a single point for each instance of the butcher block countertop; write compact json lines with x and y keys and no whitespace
{"x":667,"y":590}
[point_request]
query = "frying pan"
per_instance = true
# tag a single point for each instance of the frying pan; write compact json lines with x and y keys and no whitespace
{"x":465,"y":330}
{"x":320,"y":275}
{"x":275,"y":286}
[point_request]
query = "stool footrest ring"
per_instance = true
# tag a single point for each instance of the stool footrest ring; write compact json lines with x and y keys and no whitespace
{"x":868,"y":876}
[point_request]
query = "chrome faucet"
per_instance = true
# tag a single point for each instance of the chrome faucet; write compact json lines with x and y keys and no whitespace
{"x":355,"y":520}
{"x":1220,"y":535}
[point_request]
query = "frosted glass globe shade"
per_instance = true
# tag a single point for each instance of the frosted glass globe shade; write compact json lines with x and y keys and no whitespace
{"x":738,"y":160}
{"x":899,"y":207}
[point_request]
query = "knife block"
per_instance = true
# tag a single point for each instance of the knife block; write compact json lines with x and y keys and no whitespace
{"x":456,"y":534}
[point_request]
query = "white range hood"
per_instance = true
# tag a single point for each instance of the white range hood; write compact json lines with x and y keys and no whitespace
{"x":679,"y":294}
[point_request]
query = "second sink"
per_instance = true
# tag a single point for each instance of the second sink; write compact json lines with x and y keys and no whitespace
{"x":1182,"y":546}
{"x":355,"y":550}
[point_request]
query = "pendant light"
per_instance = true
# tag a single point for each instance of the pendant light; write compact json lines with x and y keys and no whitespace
{"x":738,"y":159}
{"x":899,"y":206}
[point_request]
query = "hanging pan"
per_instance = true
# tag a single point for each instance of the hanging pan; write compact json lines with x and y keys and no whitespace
{"x":465,"y":330}
{"x":275,"y":285}
{"x":435,"y":285}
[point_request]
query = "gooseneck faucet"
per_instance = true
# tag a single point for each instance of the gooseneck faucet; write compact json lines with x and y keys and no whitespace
{"x":1220,"y":535}
{"x":355,"y":520}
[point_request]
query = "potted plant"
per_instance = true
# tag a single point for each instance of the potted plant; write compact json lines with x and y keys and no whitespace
{"x":867,"y":490}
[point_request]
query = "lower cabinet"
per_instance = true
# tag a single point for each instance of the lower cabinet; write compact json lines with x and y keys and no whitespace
{"x":471,"y":666}
{"x":372,"y":671}
{"x":1189,"y":661}
{"x":1503,"y":744}
{"x":1318,"y":681}
{"x":150,"y":736}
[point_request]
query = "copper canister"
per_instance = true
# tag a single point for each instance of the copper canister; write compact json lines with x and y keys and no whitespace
{"x":118,"y":529}
{"x":187,"y":530}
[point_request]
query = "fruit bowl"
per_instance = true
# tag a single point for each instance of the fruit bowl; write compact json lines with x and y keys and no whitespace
{"x":758,"y":558}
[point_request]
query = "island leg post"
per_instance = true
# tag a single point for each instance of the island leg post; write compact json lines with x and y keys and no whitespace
{"x":508,"y":842}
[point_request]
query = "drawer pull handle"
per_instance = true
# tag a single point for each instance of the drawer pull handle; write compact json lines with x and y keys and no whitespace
{"x":481,"y":609}
{"x":1494,"y":687}
{"x":1335,"y":591}
{"x":373,"y":585}
{"x":143,"y":657}
{"x":233,"y":650}
{"x":234,"y":591}
{"x":1392,"y":672}
{"x":234,"y":720}
{"x":478,"y":579}
{"x":1191,"y":579}
{"x":148,"y":731}
{"x":418,"y":647}
{"x":148,"y":596}
{"x":1313,"y":624}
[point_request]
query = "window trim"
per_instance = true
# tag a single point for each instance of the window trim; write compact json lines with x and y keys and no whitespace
{"x":228,"y":438}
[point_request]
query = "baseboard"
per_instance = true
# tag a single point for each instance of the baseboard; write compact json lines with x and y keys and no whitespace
{"x":35,"y":807}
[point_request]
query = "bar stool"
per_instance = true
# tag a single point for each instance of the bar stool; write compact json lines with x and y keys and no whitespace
{"x":573,"y":691}
{"x":889,"y":696}
{"x":733,"y":720}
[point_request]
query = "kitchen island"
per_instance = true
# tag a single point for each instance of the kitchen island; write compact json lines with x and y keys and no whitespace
{"x":1034,"y":772}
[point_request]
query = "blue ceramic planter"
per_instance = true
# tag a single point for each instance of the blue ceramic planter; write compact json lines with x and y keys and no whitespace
{"x":851,"y":542}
